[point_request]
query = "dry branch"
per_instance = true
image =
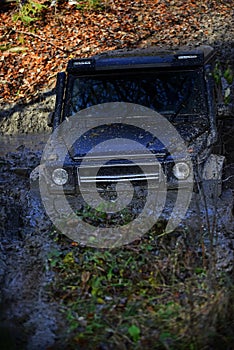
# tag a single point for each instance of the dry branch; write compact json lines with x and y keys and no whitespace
{"x":40,"y":38}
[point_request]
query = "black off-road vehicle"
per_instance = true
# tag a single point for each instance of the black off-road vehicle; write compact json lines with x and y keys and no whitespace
{"x":178,"y":84}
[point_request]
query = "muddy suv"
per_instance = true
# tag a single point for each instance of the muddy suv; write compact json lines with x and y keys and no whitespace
{"x":178,"y":84}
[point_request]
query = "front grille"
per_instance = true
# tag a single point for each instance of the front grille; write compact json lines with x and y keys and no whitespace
{"x":119,"y":173}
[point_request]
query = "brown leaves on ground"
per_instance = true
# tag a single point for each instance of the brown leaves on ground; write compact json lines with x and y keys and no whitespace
{"x":32,"y":55}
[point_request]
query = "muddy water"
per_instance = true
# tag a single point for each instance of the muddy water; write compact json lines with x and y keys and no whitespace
{"x":32,"y":142}
{"x":28,"y":318}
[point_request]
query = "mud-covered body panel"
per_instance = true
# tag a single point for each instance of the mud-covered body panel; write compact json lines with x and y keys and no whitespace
{"x":178,"y":84}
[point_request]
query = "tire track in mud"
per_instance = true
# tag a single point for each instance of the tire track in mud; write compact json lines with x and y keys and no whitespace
{"x":28,"y":320}
{"x":31,"y":142}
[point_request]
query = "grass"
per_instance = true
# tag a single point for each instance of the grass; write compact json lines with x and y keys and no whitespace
{"x":156,"y":293}
{"x":91,"y":5}
{"x":29,"y":12}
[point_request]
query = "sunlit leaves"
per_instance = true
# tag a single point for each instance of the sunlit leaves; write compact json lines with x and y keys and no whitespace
{"x":70,"y":32}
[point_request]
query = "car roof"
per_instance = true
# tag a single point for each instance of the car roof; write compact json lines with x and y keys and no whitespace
{"x":206,"y":50}
{"x":152,"y":57}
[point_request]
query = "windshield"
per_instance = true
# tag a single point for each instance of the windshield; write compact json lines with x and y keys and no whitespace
{"x":170,"y":92}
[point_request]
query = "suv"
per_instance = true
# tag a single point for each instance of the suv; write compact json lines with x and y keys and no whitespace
{"x":178,"y":84}
{"x":101,"y":98}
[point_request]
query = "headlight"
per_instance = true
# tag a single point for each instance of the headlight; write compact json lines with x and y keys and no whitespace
{"x":60,"y":176}
{"x":181,"y":171}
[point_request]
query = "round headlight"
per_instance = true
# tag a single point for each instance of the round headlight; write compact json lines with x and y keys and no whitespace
{"x":60,"y":176}
{"x":181,"y":171}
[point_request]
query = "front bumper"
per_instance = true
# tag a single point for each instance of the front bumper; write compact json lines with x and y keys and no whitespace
{"x":104,"y":179}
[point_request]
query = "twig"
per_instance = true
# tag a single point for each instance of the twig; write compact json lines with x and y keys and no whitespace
{"x":228,"y":178}
{"x":39,"y":37}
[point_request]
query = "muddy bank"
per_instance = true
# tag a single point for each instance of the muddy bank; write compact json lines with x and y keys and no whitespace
{"x":26,"y":313}
{"x":28,"y":320}
{"x":27,"y":119}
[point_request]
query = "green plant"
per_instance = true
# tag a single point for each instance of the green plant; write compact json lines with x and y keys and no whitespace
{"x":224,"y":77}
{"x":228,"y":75}
{"x":90,"y":5}
{"x":217,"y":73}
{"x":134,"y":332}
{"x":54,"y":257}
{"x":135,"y":297}
{"x":28,"y":12}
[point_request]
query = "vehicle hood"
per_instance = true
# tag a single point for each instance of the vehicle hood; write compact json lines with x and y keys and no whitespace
{"x":124,"y":141}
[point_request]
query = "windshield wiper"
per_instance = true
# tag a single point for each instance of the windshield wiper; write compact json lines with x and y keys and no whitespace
{"x":177,"y":112}
{"x":181,"y":105}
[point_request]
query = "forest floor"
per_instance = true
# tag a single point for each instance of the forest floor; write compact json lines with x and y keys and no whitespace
{"x":35,"y":46}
